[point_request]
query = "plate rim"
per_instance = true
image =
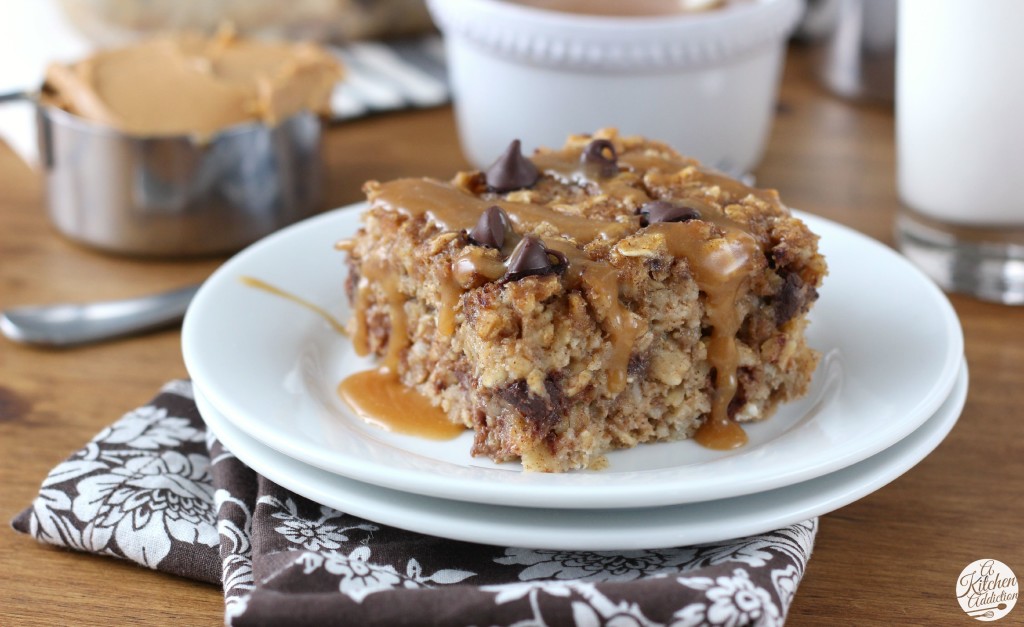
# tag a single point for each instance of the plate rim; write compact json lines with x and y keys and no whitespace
{"x":678,"y":525}
{"x":567,"y":495}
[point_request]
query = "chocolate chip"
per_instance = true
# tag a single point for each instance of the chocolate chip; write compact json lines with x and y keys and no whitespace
{"x":665,"y":211}
{"x":511,"y":171}
{"x":594,"y":157}
{"x":542,"y":413}
{"x":739,"y":399}
{"x":792,"y":298}
{"x":491,"y":229}
{"x":530,"y":258}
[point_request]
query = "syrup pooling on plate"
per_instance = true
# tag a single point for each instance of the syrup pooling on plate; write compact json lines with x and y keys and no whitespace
{"x":719,"y":252}
{"x":378,"y":397}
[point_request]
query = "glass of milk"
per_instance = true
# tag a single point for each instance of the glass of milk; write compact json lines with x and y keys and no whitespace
{"x":960,"y":143}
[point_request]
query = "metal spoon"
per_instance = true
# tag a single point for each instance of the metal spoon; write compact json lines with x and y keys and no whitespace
{"x":70,"y":324}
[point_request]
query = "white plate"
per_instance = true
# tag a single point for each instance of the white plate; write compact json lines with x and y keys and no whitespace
{"x":892,"y":342}
{"x":594,"y":530}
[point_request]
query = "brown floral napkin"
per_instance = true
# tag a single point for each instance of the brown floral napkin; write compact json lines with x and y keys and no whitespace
{"x":157,"y":489}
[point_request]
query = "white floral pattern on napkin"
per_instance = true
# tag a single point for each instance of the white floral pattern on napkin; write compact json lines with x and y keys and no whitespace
{"x":155,"y":488}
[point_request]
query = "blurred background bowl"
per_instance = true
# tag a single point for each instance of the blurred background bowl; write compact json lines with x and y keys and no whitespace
{"x":704,"y":82}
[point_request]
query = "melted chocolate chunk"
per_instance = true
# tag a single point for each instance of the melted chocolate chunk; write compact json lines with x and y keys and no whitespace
{"x":594,"y":157}
{"x":665,"y":211}
{"x":511,"y":171}
{"x":542,"y":413}
{"x":739,"y":399}
{"x":793,"y":298}
{"x":530,"y":258}
{"x":491,"y":229}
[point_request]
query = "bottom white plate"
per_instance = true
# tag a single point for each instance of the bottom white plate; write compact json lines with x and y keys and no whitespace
{"x":594,"y":530}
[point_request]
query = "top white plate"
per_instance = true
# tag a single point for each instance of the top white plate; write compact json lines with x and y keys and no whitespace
{"x":891,"y":340}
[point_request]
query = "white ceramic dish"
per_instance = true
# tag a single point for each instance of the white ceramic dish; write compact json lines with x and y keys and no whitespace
{"x":705,"y":82}
{"x":893,"y":346}
{"x":595,"y":530}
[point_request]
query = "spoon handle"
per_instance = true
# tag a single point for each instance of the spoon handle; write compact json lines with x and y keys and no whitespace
{"x":82,"y":323}
{"x":13,"y":96}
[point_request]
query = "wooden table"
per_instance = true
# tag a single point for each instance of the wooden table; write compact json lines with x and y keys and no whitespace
{"x":892,"y":557}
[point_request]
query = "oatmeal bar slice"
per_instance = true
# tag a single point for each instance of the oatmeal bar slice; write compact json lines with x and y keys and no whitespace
{"x":594,"y":297}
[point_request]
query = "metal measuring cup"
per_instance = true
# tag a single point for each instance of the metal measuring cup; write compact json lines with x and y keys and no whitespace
{"x":176,"y":196}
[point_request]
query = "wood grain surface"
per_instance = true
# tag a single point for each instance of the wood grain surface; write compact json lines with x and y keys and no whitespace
{"x":890,"y":558}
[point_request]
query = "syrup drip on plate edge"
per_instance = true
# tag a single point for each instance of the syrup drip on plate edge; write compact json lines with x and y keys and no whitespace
{"x":376,"y":396}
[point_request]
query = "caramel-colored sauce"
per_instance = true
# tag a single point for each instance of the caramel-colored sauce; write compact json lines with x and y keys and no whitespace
{"x":721,"y":272}
{"x":565,"y":166}
{"x":473,"y":267}
{"x":379,"y":398}
{"x":720,"y":263}
{"x":377,"y":272}
{"x":645,"y":162}
{"x":622,"y":325}
{"x":453,"y":209}
{"x":451,"y":291}
{"x":720,"y":433}
{"x":276,"y":291}
{"x":736,"y":189}
{"x":600,"y":283}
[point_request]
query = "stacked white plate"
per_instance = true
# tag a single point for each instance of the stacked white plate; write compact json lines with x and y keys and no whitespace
{"x":265,"y":370}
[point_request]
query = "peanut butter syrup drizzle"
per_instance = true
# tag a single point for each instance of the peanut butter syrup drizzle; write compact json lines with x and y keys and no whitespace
{"x":377,"y":271}
{"x":473,"y":267}
{"x":451,"y":291}
{"x":706,"y":177}
{"x":276,"y":291}
{"x":719,"y":270}
{"x":379,"y":397}
{"x":453,"y":209}
{"x":565,"y":166}
{"x":600,"y":281}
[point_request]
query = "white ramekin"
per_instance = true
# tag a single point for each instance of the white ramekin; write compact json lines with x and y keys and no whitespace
{"x":704,"y":83}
